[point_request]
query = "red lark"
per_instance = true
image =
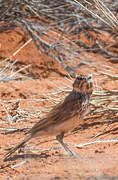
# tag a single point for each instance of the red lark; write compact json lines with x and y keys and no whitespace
{"x":65,"y":116}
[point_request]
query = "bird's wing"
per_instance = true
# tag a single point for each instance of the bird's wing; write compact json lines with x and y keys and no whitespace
{"x":51,"y":117}
{"x":61,"y":112}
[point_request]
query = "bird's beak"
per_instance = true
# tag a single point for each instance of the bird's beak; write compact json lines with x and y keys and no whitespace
{"x":90,"y":80}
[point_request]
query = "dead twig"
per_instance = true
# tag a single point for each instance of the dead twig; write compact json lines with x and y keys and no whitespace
{"x":97,"y":141}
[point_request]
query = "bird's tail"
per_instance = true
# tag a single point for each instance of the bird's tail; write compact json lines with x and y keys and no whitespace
{"x":17,"y":147}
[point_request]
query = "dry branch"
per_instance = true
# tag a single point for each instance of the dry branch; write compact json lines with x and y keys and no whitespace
{"x":53,"y":24}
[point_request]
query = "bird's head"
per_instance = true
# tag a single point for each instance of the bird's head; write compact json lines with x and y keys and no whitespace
{"x":83,"y":84}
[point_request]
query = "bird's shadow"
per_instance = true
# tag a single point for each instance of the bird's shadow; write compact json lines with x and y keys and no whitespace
{"x":27,"y":156}
{"x":91,"y":125}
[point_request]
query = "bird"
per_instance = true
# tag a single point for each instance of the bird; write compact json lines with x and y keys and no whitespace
{"x":65,"y":116}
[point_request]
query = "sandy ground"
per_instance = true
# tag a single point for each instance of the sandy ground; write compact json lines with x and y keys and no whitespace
{"x":41,"y":160}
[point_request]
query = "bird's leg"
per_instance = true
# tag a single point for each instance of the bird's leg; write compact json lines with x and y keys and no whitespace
{"x":59,"y":138}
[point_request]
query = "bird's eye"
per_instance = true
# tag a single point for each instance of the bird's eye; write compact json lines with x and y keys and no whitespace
{"x":90,"y":76}
{"x":79,"y":77}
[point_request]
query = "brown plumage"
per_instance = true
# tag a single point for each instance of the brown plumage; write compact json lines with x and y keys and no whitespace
{"x":65,"y":116}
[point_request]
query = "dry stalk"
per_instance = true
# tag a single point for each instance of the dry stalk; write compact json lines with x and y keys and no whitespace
{"x":97,"y":141}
